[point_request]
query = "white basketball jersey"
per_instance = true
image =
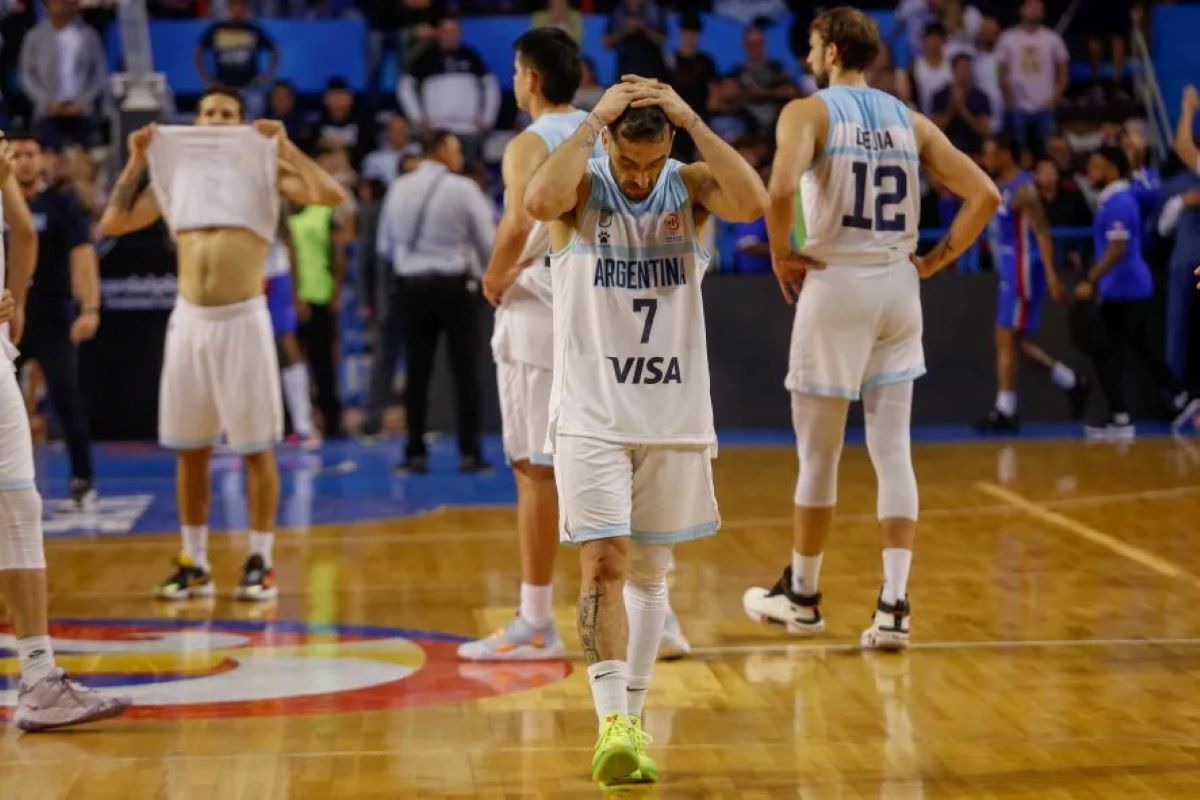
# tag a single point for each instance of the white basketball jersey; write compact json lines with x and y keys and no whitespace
{"x":279,"y":261}
{"x":524,"y":329}
{"x":8,"y":352}
{"x":861,"y":201}
{"x":630,"y":351}
{"x":216,"y":177}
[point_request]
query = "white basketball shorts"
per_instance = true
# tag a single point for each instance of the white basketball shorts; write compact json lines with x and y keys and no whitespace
{"x":524,"y":411}
{"x":856,"y":327}
{"x":16,"y":448}
{"x":220,"y":374}
{"x":658,"y":494}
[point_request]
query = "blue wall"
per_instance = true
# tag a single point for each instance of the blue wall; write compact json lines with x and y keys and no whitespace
{"x":315,"y":50}
{"x":1173,"y":32}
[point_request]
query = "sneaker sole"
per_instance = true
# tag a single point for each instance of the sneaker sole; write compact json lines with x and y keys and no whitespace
{"x":31,"y":726}
{"x":523,"y":653}
{"x":793,"y":627}
{"x":673,"y":652}
{"x":204,"y":590}
{"x":256,"y":596}
{"x":886,"y":641}
{"x":615,"y":766}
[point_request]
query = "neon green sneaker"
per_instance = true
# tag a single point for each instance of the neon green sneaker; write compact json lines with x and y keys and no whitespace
{"x":616,"y":754}
{"x":647,"y":771}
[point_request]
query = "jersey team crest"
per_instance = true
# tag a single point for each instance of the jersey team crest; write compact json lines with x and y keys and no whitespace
{"x":195,"y":669}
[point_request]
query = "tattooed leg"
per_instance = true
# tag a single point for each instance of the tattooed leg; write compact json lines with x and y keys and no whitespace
{"x":603,"y":626}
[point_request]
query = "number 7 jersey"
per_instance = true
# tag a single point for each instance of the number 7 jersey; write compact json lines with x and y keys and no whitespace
{"x":630,"y":350}
{"x":860,"y":201}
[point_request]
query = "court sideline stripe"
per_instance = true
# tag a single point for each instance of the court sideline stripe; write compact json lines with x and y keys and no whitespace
{"x":1087,"y":532}
{"x":983,"y":644}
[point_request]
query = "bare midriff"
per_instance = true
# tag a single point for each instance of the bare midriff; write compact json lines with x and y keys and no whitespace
{"x":219,"y":266}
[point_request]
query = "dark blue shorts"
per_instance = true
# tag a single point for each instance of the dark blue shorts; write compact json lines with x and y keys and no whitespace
{"x":281,"y":301}
{"x":1021,"y":297}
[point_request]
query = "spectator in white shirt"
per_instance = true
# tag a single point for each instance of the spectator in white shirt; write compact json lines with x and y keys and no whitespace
{"x":386,"y":163}
{"x":931,"y":70}
{"x":1033,"y":76}
{"x":912,"y":18}
{"x":987,"y":69}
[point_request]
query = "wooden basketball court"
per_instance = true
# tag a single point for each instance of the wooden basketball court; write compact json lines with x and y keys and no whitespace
{"x":1056,"y":651}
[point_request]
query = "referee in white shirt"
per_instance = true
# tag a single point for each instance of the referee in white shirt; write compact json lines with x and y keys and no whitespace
{"x":436,"y":230}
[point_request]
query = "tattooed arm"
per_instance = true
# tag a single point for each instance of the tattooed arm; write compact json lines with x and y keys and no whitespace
{"x":554,"y":189}
{"x":1028,"y":201}
{"x":963,"y":177}
{"x":131,"y":208}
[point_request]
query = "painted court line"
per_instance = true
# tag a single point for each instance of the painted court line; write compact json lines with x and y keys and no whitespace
{"x":1016,"y":644}
{"x":1087,"y":532}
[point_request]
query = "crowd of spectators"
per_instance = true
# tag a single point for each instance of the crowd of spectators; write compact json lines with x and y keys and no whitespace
{"x":976,"y":67}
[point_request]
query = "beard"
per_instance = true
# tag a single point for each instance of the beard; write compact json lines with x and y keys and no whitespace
{"x":822,"y":79}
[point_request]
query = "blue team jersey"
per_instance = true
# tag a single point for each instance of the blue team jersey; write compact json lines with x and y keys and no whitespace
{"x":1020,"y":261}
{"x":1118,"y":219}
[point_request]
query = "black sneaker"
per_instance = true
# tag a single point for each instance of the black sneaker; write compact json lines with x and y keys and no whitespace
{"x":779,"y":605}
{"x":413,"y":465}
{"x":258,"y":580}
{"x":1078,"y":396}
{"x":998,"y":422}
{"x":83,"y":494}
{"x":186,"y":582}
{"x":472,"y":465}
{"x":889,"y":626}
{"x":1115,"y":428}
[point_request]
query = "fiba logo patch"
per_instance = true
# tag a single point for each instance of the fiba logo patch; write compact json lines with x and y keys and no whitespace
{"x":191,"y":669}
{"x":674,"y":228}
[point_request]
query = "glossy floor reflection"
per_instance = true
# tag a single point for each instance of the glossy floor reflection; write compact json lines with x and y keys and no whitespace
{"x":1057,"y":652}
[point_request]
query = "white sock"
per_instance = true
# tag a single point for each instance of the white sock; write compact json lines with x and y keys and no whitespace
{"x":1006,"y":402}
{"x":646,"y":609}
{"x":536,"y":603}
{"x":36,"y":656}
{"x":195,"y":544}
{"x":1063,"y":376}
{"x":806,"y":572}
{"x":608,"y":682}
{"x":263,"y":544}
{"x":896,"y":563}
{"x":299,"y":404}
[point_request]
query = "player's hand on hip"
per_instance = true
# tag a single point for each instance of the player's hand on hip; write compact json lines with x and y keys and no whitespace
{"x":6,"y":160}
{"x":139,"y":140}
{"x":8,"y":306}
{"x":656,"y":93}
{"x":270,"y":128}
{"x":790,"y":269}
{"x":927,"y":266}
{"x":614,"y":102}
{"x":84,"y":328}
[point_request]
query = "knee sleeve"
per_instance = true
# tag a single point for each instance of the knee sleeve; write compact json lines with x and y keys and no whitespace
{"x":648,"y":567}
{"x":820,"y":424}
{"x":21,"y":530}
{"x":888,"y":412}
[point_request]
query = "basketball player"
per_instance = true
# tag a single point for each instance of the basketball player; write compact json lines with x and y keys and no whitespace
{"x":852,"y":153}
{"x":281,"y":303}
{"x":517,"y":281}
{"x":630,"y":412}
{"x":219,"y":192}
{"x":1026,"y":272}
{"x":46,"y":698}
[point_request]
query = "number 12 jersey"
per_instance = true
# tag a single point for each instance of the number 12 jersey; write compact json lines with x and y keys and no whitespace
{"x":860,"y":201}
{"x":630,"y":349}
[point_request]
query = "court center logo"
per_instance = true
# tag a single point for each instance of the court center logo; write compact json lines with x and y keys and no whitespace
{"x":177,"y":669}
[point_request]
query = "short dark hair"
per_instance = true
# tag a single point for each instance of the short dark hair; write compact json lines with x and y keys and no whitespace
{"x":435,"y":139}
{"x":23,"y":136}
{"x":936,"y":29}
{"x":645,"y":124}
{"x":689,"y":20}
{"x":218,"y":90}
{"x":337,"y":83}
{"x":555,"y":57}
{"x":284,"y":83}
{"x":1006,"y":141}
{"x":961,"y":55}
{"x":1115,"y":156}
{"x":855,"y":35}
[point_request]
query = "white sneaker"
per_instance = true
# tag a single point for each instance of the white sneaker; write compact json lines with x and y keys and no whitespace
{"x":673,"y":644}
{"x":57,"y":701}
{"x":1117,"y":428}
{"x":889,"y":626}
{"x":779,"y":605}
{"x":519,"y":640}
